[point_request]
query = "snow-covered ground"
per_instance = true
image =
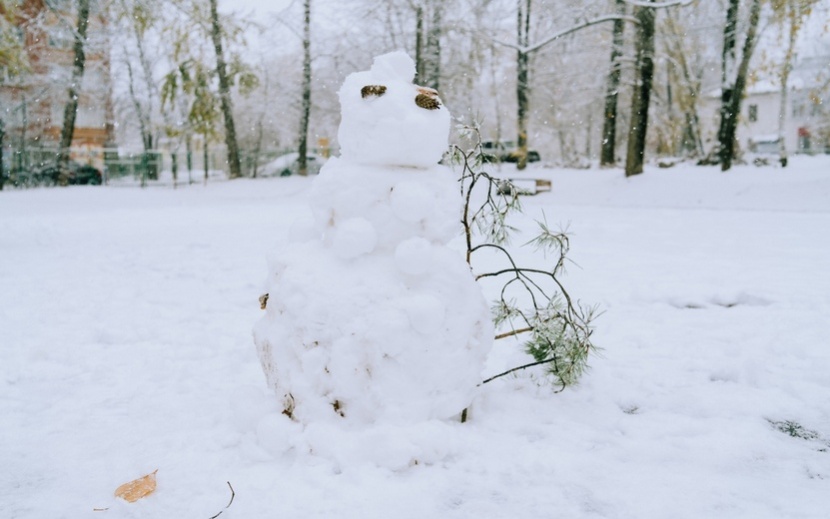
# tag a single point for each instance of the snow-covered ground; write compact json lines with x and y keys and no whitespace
{"x":125,"y":347}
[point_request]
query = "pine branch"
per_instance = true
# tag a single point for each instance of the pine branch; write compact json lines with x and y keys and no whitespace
{"x":559,"y":329}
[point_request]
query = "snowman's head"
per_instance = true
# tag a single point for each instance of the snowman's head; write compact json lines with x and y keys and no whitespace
{"x":387,"y":120}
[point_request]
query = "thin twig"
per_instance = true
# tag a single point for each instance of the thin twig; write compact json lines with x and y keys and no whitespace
{"x":517,"y":368}
{"x":514,"y":332}
{"x":512,"y":270}
{"x":233,"y":495}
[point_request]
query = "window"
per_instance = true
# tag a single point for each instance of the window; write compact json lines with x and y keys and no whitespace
{"x":753,"y":113}
{"x":798,"y":108}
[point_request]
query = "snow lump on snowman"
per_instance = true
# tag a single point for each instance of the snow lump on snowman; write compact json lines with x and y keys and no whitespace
{"x":371,"y":318}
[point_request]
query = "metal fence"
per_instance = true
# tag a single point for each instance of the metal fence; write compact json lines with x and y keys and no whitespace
{"x":32,"y":166}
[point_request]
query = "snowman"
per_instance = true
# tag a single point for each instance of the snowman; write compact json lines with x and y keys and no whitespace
{"x":370,"y":316}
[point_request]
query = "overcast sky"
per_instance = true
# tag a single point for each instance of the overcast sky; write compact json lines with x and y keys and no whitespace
{"x":259,"y":7}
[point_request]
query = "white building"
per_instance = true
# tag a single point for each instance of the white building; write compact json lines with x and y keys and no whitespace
{"x":807,"y":115}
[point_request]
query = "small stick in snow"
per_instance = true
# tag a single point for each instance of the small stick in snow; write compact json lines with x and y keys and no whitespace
{"x":233,"y":495}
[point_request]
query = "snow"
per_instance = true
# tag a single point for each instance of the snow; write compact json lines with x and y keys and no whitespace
{"x":414,"y":256}
{"x":355,"y":237}
{"x":126,"y":348}
{"x":127,"y":344}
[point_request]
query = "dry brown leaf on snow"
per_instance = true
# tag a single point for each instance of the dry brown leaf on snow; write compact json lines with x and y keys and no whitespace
{"x":138,"y":488}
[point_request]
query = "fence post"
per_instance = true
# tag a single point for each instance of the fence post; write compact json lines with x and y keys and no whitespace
{"x":189,"y":166}
{"x":174,"y":166}
{"x":205,"y":160}
{"x":2,"y":135}
{"x":143,"y":169}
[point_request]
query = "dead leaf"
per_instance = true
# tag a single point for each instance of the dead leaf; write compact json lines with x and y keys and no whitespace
{"x":136,"y":489}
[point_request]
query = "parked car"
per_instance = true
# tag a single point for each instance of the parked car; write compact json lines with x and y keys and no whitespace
{"x":288,"y":164}
{"x":505,"y":151}
{"x":78,"y":174}
{"x":764,"y":150}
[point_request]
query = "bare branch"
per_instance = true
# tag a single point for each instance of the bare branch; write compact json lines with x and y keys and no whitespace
{"x":589,"y":23}
{"x":233,"y":495}
{"x":514,"y":333}
{"x":550,"y":39}
{"x":512,"y":370}
{"x":658,"y":5}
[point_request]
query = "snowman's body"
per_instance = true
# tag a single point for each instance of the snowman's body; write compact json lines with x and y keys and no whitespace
{"x":371,"y":317}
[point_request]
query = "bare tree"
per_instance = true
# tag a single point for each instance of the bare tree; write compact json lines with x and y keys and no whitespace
{"x":734,"y":76}
{"x":524,"y":49}
{"x":419,"y":42}
{"x":638,"y":128}
{"x":429,"y":30}
{"x":686,"y":69}
{"x":609,"y":128}
{"x":70,"y":111}
{"x":432,"y":48}
{"x":306,"y":101}
{"x":13,"y":62}
{"x":138,"y":18}
{"x":522,"y":81}
{"x":225,"y":101}
{"x":790,"y":14}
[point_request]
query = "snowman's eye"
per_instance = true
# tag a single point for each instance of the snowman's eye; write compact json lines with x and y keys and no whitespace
{"x":427,"y":101}
{"x":372,"y":91}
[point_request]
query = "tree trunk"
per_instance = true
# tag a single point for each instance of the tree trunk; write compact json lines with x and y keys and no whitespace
{"x":2,"y":136}
{"x":258,"y":147}
{"x":205,"y":158}
{"x":152,"y":86}
{"x":141,"y":114}
{"x":70,"y":111}
{"x":731,"y":109}
{"x":174,"y":168}
{"x":419,"y":44}
{"x":225,"y":93}
{"x":306,"y":106}
{"x":692,"y":140}
{"x":109,"y":106}
{"x":24,"y":160}
{"x":188,"y":146}
{"x":522,"y":82}
{"x":432,"y":52}
{"x":638,"y":128}
{"x":726,"y":133}
{"x":609,"y":128}
{"x":792,"y":17}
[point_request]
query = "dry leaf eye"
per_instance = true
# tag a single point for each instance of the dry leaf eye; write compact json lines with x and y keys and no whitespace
{"x":427,"y":101}
{"x":372,"y":91}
